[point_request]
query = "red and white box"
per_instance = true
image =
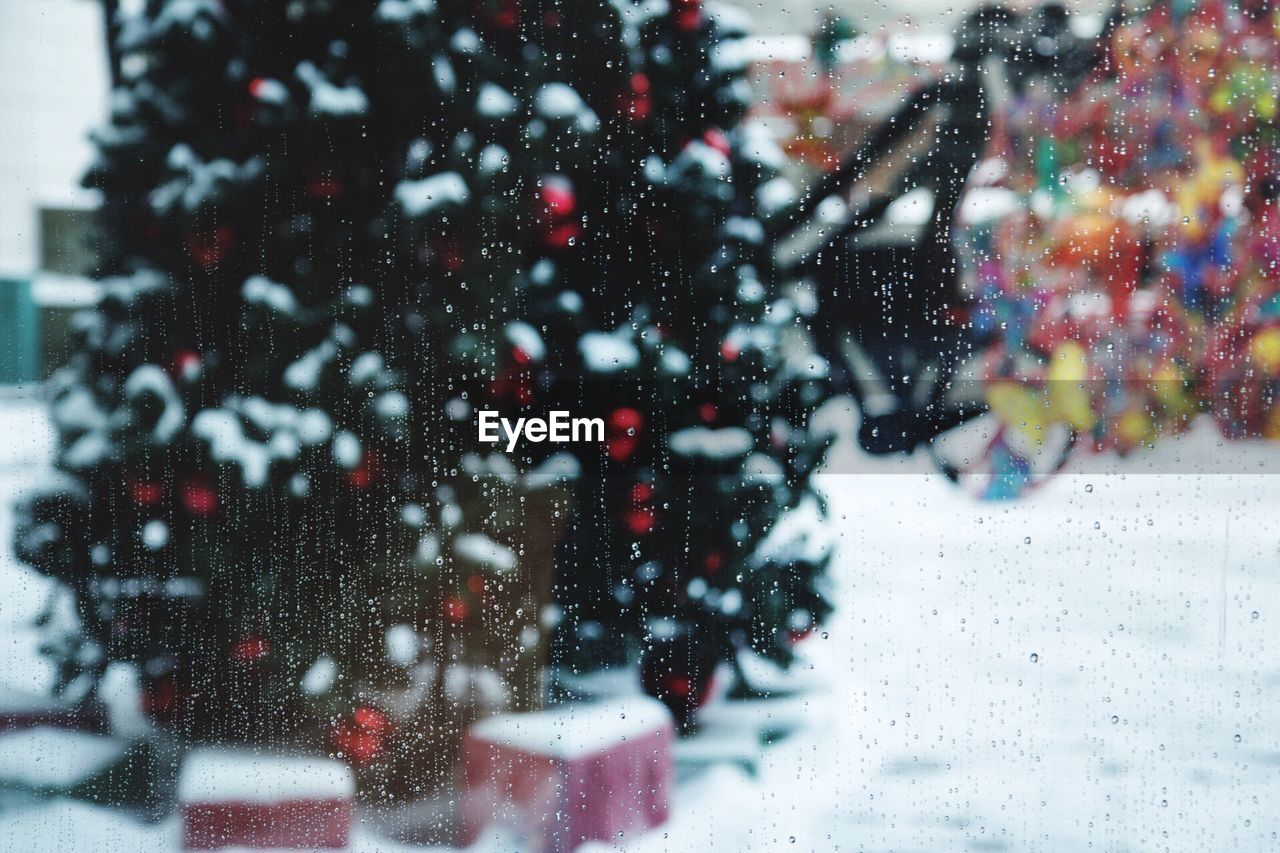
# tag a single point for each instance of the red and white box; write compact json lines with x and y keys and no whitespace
{"x":552,"y":780}
{"x":239,"y":798}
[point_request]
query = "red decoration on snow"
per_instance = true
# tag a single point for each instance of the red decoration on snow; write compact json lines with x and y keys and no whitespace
{"x":558,"y":204}
{"x":250,"y":649}
{"x":708,"y":413}
{"x":198,"y":499}
{"x":145,"y":492}
{"x":210,"y":248}
{"x":729,"y":351}
{"x":625,"y":425}
{"x":687,"y":14}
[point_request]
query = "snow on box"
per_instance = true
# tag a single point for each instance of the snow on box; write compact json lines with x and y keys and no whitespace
{"x":576,"y":729}
{"x":221,"y":775}
{"x":48,"y":757}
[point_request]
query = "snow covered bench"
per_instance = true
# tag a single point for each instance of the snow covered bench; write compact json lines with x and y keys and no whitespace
{"x":240,"y":798}
{"x":576,"y":773}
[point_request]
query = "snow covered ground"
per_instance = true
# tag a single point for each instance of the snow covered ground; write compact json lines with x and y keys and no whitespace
{"x":1089,"y":668}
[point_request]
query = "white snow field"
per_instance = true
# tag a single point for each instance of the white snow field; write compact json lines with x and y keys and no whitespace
{"x":1092,"y":667}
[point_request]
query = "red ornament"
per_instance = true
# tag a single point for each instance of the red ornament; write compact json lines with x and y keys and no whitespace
{"x":641,"y":492}
{"x":713,"y":562}
{"x":210,"y":248}
{"x":367,"y":472}
{"x":729,"y":351}
{"x":687,"y":14}
{"x":326,"y":187}
{"x":456,"y":609}
{"x":448,"y":253}
{"x":359,"y":746}
{"x":625,"y":425}
{"x":198,"y":499}
{"x":637,"y":101}
{"x":187,"y":364}
{"x":714,"y":138}
{"x":371,"y":720}
{"x":146,"y":492}
{"x":708,"y":413}
{"x":502,"y":14}
{"x":641,"y":521}
{"x":251,"y":648}
{"x":556,"y":217}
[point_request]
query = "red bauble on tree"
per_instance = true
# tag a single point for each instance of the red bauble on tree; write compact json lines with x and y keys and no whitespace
{"x":716,"y":139}
{"x":362,"y":738}
{"x":145,"y":492}
{"x":210,"y":248}
{"x":637,"y":101}
{"x":625,"y":425}
{"x":366,"y":473}
{"x":558,"y":205}
{"x":687,"y":14}
{"x":198,"y":499}
{"x":251,"y":649}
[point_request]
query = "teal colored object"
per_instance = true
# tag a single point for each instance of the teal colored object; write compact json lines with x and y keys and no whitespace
{"x":19,"y":333}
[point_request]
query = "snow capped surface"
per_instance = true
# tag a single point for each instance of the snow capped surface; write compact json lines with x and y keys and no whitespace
{"x":483,"y":551}
{"x":403,"y":10}
{"x":493,"y":159}
{"x":46,"y":757}
{"x":528,"y":339}
{"x":572,"y":730}
{"x":320,"y":676}
{"x":558,"y":468}
{"x":495,"y":102}
{"x":560,"y":102}
{"x":418,"y":198}
{"x":150,"y":379}
{"x":224,"y":433}
{"x":775,"y":196}
{"x":304,"y":374}
{"x":328,"y":99}
{"x":608,"y":352}
{"x":260,"y":290}
{"x":727,"y":443}
{"x":220,"y":775}
{"x":347,"y":449}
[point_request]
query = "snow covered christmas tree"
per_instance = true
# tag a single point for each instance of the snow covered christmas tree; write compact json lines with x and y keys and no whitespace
{"x":332,"y":234}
